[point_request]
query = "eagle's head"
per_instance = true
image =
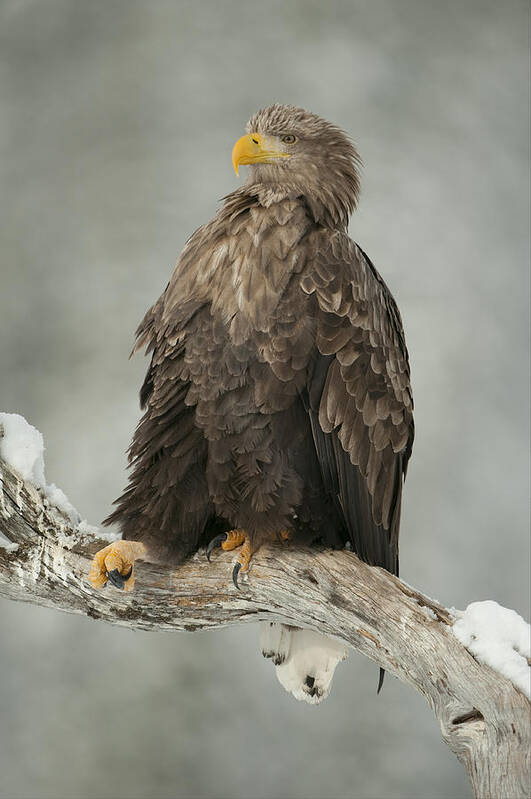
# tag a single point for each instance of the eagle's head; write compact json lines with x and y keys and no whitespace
{"x":298,"y":153}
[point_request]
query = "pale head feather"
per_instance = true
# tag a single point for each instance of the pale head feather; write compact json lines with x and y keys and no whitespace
{"x":323,"y":168}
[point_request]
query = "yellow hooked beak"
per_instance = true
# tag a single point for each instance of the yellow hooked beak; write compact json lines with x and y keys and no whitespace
{"x":254,"y":148}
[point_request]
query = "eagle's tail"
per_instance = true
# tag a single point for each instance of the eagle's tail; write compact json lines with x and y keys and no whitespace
{"x":305,"y":661}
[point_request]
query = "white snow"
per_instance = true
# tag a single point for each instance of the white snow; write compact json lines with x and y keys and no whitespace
{"x":429,"y":612}
{"x":498,"y":637}
{"x":58,"y":499}
{"x":84,"y":528}
{"x":22,"y":447}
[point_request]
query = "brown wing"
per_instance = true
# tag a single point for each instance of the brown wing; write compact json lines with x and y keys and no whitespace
{"x":166,"y":503}
{"x":360,"y":395}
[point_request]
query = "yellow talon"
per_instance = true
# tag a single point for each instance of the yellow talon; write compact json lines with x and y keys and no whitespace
{"x":233,"y":540}
{"x":118,"y":558}
{"x":244,"y":558}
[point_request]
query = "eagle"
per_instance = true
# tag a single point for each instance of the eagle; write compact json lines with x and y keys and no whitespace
{"x":277,"y":403}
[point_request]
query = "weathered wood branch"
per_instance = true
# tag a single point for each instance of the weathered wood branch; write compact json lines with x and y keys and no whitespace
{"x":484,"y":719}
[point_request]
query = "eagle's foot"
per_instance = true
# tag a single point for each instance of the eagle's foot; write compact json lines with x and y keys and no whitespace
{"x":226,"y":541}
{"x":236,"y":538}
{"x":243,"y":562}
{"x":231,"y":540}
{"x":116,"y":563}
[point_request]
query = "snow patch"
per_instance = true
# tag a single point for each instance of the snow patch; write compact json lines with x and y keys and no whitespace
{"x":497,"y":637}
{"x":84,"y":528}
{"x":58,"y":499}
{"x":22,"y":447}
{"x":429,"y":612}
{"x":425,"y":608}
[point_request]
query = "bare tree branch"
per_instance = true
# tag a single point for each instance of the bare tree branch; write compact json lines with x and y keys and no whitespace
{"x":484,"y":719}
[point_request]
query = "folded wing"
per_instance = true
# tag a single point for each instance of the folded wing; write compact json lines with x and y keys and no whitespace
{"x":359,"y":395}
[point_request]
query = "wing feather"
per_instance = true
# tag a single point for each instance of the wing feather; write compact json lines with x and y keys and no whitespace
{"x":360,"y":394}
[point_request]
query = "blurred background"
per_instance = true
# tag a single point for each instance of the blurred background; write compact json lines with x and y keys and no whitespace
{"x":118,"y":119}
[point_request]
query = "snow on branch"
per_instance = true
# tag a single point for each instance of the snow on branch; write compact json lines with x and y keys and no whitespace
{"x":45,"y":555}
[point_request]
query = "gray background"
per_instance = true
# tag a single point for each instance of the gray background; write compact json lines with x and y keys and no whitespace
{"x":117,"y":122}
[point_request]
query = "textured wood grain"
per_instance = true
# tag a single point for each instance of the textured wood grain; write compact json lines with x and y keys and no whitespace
{"x":484,"y":719}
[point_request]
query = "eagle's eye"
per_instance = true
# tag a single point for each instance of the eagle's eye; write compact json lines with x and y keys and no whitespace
{"x":288,"y":138}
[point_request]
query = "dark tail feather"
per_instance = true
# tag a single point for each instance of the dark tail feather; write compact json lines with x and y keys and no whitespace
{"x":380,"y":681}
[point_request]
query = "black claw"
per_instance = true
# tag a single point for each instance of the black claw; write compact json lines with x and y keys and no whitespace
{"x":116,"y":578}
{"x":380,"y":681}
{"x":235,"y":572}
{"x":216,"y":542}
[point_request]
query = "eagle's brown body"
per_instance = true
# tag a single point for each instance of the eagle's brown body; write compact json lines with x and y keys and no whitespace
{"x":278,"y":393}
{"x":278,"y":396}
